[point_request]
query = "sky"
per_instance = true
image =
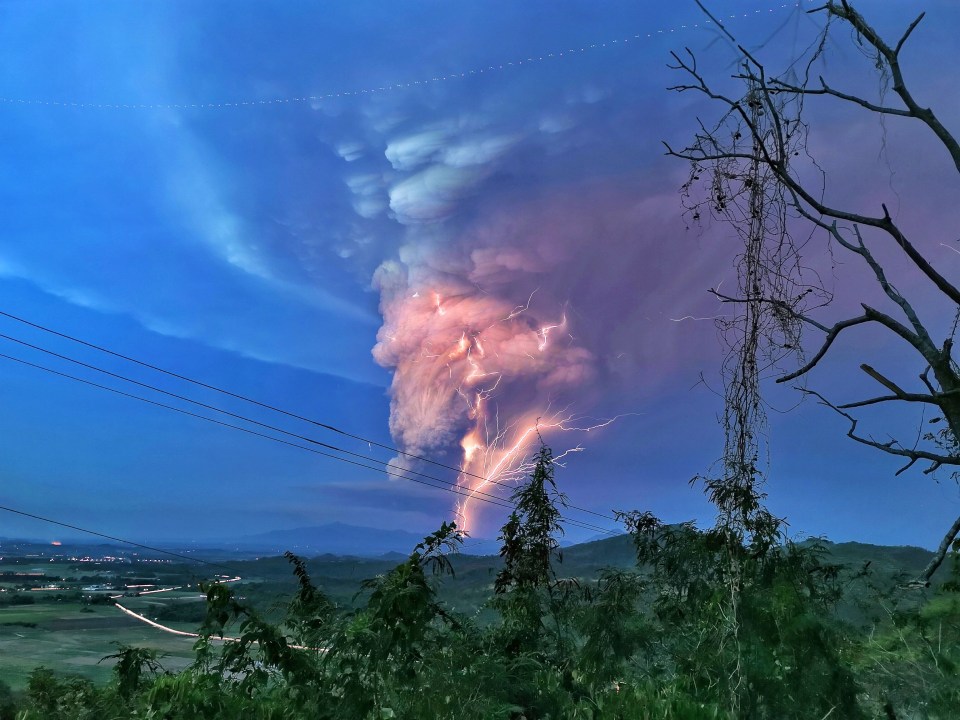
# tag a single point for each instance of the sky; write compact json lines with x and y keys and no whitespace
{"x":327,"y":207}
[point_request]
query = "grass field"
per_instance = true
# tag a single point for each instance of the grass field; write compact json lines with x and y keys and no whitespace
{"x":72,"y":641}
{"x":71,"y":638}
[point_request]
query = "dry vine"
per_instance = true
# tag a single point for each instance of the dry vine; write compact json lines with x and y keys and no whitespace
{"x":748,"y":170}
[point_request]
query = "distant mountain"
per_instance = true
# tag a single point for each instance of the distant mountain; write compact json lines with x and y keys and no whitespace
{"x":343,"y":539}
{"x":331,"y":539}
{"x":890,"y":562}
{"x":472,"y":583}
{"x":479,"y":546}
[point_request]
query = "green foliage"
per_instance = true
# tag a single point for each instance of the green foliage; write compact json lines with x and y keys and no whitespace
{"x":8,"y":702}
{"x":525,"y":588}
{"x":17,"y":599}
{"x":259,"y":654}
{"x":49,"y":697}
{"x":748,"y":622}
{"x":310,"y":611}
{"x":613,"y":627}
{"x":910,"y":658}
{"x":709,"y":625}
{"x":529,"y":536}
{"x":380,"y":651}
{"x":131,"y":664}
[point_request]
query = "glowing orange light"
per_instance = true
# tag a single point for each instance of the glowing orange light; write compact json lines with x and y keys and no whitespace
{"x":471,"y":444}
{"x":450,"y":345}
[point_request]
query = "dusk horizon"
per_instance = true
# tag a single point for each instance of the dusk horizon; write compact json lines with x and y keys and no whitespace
{"x":343,"y":229}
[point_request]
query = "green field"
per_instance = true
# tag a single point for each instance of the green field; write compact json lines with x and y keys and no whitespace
{"x":60,"y":630}
{"x":73,"y":639}
{"x":70,"y":637}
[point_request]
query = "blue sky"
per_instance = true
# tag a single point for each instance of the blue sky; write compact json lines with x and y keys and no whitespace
{"x":261,"y":247}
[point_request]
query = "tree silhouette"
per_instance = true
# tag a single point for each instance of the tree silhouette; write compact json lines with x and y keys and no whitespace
{"x":753,"y":170}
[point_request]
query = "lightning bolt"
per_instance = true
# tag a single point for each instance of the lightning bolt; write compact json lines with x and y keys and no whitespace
{"x":473,"y":369}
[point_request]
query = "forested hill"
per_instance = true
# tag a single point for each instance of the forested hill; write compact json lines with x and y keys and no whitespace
{"x":619,"y":552}
{"x":470,"y":586}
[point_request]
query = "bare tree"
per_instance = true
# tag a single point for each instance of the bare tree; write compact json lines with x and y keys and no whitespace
{"x":753,"y":170}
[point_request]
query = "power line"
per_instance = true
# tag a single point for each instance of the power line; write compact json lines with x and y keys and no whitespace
{"x":475,"y":494}
{"x":496,"y":68}
{"x":503,"y":503}
{"x":258,"y":403}
{"x":234,"y":395}
{"x":116,"y":539}
{"x":244,"y":418}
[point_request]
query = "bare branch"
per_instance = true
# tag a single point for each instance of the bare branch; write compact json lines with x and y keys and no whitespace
{"x":903,"y":39}
{"x":780,"y":304}
{"x":942,"y":284}
{"x":905,"y":397}
{"x":687,"y":154}
{"x":715,"y":21}
{"x":832,"y":334}
{"x":885,"y":381}
{"x":891,"y":447}
{"x":754,"y":182}
{"x":920,"y":331}
{"x":884,"y":222}
{"x":891,"y":56}
{"x":906,"y":467}
{"x":870,"y":315}
{"x":779,"y":86}
{"x":937,"y":560}
{"x":900,"y":329}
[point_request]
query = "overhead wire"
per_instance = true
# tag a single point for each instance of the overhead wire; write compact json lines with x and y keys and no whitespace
{"x":229,"y":425}
{"x":474,"y":494}
{"x":498,"y":67}
{"x":258,"y":403}
{"x":237,"y":396}
{"x":237,"y":416}
{"x":116,"y":539}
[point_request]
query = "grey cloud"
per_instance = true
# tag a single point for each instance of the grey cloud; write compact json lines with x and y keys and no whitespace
{"x":350,"y":151}
{"x":432,"y":194}
{"x":553,"y":123}
{"x":412,"y":151}
{"x":369,"y":194}
{"x":478,"y":150}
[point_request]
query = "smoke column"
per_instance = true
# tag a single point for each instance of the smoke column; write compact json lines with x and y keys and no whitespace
{"x":472,"y":369}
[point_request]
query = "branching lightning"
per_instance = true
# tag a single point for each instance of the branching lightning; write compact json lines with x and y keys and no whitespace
{"x":473,"y":370}
{"x":495,"y":455}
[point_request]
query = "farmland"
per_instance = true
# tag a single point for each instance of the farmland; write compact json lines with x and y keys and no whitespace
{"x":71,"y":628}
{"x":57,"y":609}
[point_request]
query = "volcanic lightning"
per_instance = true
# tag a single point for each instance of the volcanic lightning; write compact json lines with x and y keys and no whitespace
{"x":474,"y":371}
{"x":504,"y":456}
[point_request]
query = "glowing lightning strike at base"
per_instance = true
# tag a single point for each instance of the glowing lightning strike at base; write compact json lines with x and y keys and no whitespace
{"x":471,"y":367}
{"x":505,"y":456}
{"x":493,"y":455}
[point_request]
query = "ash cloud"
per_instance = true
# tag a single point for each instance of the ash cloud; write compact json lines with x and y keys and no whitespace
{"x":518,"y":286}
